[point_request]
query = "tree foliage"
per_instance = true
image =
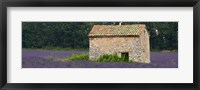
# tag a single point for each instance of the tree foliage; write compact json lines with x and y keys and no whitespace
{"x":163,"y":35}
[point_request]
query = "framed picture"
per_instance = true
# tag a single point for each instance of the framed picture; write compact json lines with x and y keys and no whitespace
{"x":85,"y":44}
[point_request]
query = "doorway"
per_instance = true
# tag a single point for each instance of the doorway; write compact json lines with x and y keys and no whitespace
{"x":125,"y":56}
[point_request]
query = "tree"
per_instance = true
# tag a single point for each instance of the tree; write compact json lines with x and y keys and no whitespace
{"x":163,"y":35}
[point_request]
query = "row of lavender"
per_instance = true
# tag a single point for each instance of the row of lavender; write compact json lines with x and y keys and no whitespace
{"x":50,"y":59}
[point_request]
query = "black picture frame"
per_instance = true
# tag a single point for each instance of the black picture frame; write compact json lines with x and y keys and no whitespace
{"x":100,"y":3}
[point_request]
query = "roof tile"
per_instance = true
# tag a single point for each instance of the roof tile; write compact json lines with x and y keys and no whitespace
{"x":117,"y":30}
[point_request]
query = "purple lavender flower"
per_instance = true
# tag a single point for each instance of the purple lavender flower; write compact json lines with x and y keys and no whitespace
{"x":50,"y":59}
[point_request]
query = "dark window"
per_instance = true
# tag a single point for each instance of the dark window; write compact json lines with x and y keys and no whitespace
{"x":125,"y":56}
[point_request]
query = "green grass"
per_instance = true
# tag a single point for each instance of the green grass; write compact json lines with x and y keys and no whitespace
{"x":57,"y":49}
{"x":102,"y":58}
{"x":51,"y":58}
{"x":111,"y":58}
{"x":76,"y":57}
{"x":156,"y":50}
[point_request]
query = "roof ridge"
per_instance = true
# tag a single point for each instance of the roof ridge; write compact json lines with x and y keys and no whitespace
{"x":121,"y":25}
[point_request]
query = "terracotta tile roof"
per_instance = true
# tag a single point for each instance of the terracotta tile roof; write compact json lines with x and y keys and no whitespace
{"x":117,"y":30}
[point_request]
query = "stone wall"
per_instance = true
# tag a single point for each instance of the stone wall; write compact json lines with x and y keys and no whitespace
{"x":110,"y":45}
{"x":145,"y":46}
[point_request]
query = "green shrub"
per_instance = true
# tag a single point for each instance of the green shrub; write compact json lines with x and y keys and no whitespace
{"x":111,"y":58}
{"x":76,"y":57}
{"x":102,"y":58}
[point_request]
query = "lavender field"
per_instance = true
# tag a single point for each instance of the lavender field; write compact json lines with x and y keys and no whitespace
{"x":50,"y":59}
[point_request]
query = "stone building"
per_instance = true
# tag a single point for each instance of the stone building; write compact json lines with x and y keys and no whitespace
{"x":129,"y":40}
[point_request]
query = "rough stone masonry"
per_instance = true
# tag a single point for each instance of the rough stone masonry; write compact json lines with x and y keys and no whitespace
{"x":133,"y":40}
